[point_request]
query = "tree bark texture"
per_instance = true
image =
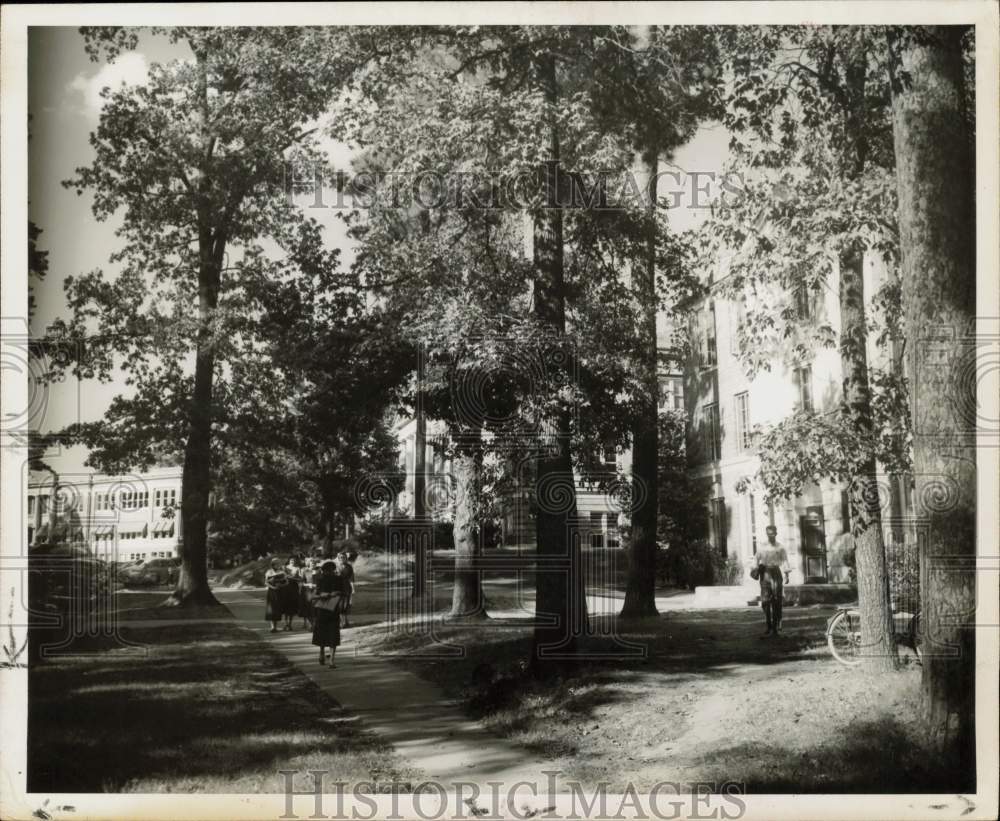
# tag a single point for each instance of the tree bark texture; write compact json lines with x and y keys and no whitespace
{"x":420,"y":485}
{"x":934,"y":167}
{"x":640,"y":589}
{"x":192,"y":582}
{"x":877,"y":627}
{"x":467,"y":594}
{"x":560,"y":603}
{"x":196,"y":482}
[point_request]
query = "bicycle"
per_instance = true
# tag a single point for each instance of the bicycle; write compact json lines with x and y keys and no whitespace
{"x":843,"y":634}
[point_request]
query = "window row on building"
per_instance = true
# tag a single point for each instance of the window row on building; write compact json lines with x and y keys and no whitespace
{"x":743,"y":428}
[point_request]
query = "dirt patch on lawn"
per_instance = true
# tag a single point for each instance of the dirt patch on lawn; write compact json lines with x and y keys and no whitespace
{"x":706,"y":700}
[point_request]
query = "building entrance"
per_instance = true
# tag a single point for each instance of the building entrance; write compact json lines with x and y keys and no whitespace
{"x":813,"y":530}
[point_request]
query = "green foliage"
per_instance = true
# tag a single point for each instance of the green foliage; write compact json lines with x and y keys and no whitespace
{"x":697,"y":563}
{"x":194,"y":165}
{"x":730,"y":571}
{"x":810,"y":112}
{"x":682,"y":508}
{"x":468,"y":100}
{"x":800,"y":450}
{"x":38,"y":263}
{"x":374,"y":533}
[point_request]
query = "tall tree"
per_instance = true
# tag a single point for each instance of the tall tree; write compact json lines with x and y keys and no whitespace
{"x":512,"y":110}
{"x":662,"y":93}
{"x":827,"y":74}
{"x":560,"y":596}
{"x":934,"y":169}
{"x":195,"y":161}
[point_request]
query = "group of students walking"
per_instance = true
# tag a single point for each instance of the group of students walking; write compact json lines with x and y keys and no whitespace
{"x":317,"y":590}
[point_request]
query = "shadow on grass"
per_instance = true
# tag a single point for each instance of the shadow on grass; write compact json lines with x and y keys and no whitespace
{"x":872,"y":757}
{"x":208,"y":708}
{"x":598,"y":710}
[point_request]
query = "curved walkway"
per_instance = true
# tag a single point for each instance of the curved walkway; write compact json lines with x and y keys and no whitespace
{"x":412,"y":714}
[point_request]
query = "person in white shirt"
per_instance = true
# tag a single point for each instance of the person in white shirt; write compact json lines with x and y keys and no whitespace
{"x":772,"y":564}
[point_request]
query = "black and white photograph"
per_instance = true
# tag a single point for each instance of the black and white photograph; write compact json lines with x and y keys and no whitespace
{"x":515,"y":410}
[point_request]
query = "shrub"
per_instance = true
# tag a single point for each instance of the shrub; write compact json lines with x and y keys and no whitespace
{"x":696,"y":564}
{"x":70,"y":593}
{"x":690,"y":563}
{"x":352,"y":545}
{"x":729,"y":570}
{"x":372,"y":535}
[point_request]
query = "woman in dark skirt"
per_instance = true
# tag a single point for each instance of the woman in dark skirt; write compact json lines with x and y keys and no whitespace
{"x":276,"y":581}
{"x":327,"y":601}
{"x":290,"y":598}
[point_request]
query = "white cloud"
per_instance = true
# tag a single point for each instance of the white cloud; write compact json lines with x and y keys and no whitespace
{"x":129,"y":68}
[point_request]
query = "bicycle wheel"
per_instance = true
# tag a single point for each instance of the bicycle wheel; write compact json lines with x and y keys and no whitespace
{"x":843,"y":639}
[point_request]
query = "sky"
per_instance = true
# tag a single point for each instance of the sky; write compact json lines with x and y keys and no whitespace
{"x":64,"y":102}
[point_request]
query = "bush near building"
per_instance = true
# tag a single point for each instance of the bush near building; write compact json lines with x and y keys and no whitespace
{"x":696,"y":563}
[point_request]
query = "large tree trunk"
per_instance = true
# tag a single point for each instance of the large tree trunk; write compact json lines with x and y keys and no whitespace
{"x":196,"y":478}
{"x":934,"y":167}
{"x":467,"y":594}
{"x":640,"y":589}
{"x":328,"y":531}
{"x":420,"y":486}
{"x":877,"y":630}
{"x":560,"y":601}
{"x":877,"y":626}
{"x":192,"y":583}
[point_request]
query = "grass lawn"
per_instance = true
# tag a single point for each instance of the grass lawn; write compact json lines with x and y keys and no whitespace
{"x":709,"y":701}
{"x":197,"y":708}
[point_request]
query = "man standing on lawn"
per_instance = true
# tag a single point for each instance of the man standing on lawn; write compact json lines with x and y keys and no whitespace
{"x":772,"y":562}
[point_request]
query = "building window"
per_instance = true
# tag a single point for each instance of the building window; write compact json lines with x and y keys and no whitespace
{"x":710,"y":428}
{"x":134,"y":499}
{"x":165,"y":498}
{"x":43,"y":504}
{"x":803,"y":384}
{"x":717,"y":512}
{"x":743,"y":421}
{"x":803,"y":302}
{"x":671,"y":393}
{"x":711,"y":354}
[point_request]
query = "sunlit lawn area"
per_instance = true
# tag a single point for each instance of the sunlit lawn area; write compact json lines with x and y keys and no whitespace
{"x":195,"y":708}
{"x":707,"y":700}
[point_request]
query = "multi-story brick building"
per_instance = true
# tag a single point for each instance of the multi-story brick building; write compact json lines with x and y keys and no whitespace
{"x":724,"y":405}
{"x":120,"y":518}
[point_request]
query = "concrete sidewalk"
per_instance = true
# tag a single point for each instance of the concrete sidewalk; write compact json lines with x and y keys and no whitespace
{"x":410,"y":713}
